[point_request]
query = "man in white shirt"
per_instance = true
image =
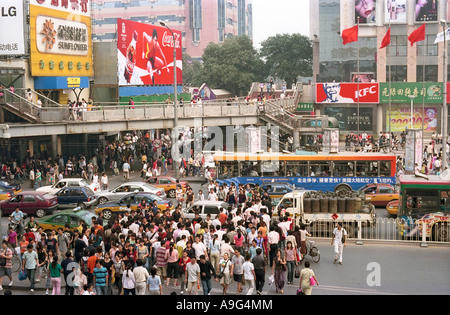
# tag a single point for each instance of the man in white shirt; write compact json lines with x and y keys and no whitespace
{"x":339,"y":241}
{"x":200,"y":248}
{"x":212,"y":195}
{"x":126,"y":170}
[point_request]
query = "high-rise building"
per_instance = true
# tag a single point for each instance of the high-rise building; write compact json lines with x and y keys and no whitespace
{"x":200,"y":21}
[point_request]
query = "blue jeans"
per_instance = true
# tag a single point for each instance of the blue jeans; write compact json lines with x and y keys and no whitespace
{"x":101,"y":290}
{"x":207,"y":286}
{"x":290,"y":269}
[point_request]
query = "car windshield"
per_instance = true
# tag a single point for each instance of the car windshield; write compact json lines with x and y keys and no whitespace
{"x":84,"y":182}
{"x":89,"y":192}
{"x":87,"y":216}
{"x":361,"y":190}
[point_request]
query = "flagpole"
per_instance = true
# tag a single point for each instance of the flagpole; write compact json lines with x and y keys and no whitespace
{"x":423,"y":82}
{"x":358,"y":78}
{"x":390,"y":86}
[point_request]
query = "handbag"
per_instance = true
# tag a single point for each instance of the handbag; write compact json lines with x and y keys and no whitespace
{"x":297,"y":272}
{"x":312,"y":281}
{"x":22,"y":275}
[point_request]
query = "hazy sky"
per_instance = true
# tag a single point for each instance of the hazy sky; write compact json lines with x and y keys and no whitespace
{"x":277,"y":17}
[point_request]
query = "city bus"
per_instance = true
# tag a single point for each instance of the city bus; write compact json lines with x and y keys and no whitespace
{"x":312,"y":171}
{"x":425,"y":200}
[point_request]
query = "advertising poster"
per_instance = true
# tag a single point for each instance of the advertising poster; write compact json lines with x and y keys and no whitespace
{"x":401,"y":119}
{"x":60,"y":36}
{"x":12,"y":40}
{"x":347,"y":93}
{"x":348,"y":117}
{"x":145,"y":54}
{"x":395,"y":11}
{"x":428,"y":93}
{"x":365,"y":11}
{"x":426,"y":10}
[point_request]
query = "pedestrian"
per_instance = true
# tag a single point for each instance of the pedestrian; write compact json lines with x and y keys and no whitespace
{"x":192,"y":276}
{"x":305,"y":279}
{"x":100,"y":278}
{"x":126,"y":170}
{"x":172,"y":258}
{"x":6,"y":256}
{"x":128,"y":281}
{"x":140,"y":276}
{"x":225,"y":272}
{"x":32,"y":178}
{"x":339,"y":241}
{"x":278,"y":270}
{"x":54,"y":273}
{"x":79,"y":281}
{"x":68,"y":268}
{"x":206,"y":270}
{"x":260,"y":270}
{"x":237,"y":271}
{"x":38,"y":179}
{"x":154,"y":284}
{"x":290,"y":253}
{"x":29,"y":265}
{"x":249,"y":274}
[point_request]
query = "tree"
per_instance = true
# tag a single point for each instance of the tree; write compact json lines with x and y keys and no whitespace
{"x":191,"y":71}
{"x":287,"y":56}
{"x":233,"y":65}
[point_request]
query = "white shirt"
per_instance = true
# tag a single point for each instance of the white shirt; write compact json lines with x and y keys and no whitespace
{"x":248,"y":268}
{"x":199,"y":248}
{"x":338,"y":235}
{"x":274,"y":237}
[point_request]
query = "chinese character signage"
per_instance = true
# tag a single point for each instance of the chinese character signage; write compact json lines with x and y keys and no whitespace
{"x":348,"y":117}
{"x":431,"y":93}
{"x":60,"y":36}
{"x":347,"y":93}
{"x":145,"y":54}
{"x":12,"y":40}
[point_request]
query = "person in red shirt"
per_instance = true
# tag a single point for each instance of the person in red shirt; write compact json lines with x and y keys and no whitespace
{"x":222,"y":216}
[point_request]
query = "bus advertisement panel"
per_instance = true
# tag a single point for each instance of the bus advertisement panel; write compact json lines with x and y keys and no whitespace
{"x":145,"y":54}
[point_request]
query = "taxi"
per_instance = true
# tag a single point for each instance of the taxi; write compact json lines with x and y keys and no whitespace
{"x":379,"y":194}
{"x":58,"y":220}
{"x":132,"y":199}
{"x":5,"y":194}
{"x":168,"y":183}
{"x":12,"y":188}
{"x":392,"y":208}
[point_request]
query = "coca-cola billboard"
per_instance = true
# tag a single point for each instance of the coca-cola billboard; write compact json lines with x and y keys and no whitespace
{"x":347,"y":93}
{"x":145,"y":54}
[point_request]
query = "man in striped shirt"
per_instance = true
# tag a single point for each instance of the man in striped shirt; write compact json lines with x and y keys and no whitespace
{"x":100,"y":278}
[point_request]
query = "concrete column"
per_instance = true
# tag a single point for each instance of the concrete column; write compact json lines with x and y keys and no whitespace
{"x":412,"y":59}
{"x":54,"y":146}
{"x":382,"y":55}
{"x":380,"y":119}
{"x":31,"y":148}
{"x":296,"y":140}
{"x":85,"y":143}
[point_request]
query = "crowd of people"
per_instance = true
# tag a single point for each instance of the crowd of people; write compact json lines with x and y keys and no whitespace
{"x":152,"y":252}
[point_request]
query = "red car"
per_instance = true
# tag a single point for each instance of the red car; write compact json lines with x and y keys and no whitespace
{"x":33,"y":203}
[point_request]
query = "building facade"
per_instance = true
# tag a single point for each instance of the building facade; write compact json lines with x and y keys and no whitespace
{"x":200,"y":21}
{"x":400,"y":67}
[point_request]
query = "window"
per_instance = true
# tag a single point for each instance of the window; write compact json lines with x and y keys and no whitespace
{"x":385,"y":169}
{"x":386,"y":190}
{"x":427,"y":46}
{"x":249,"y":169}
{"x":398,"y":73}
{"x":445,"y":200}
{"x":75,"y":192}
{"x":418,"y":201}
{"x":430,"y":75}
{"x":366,"y":169}
{"x":343,"y":169}
{"x":228,"y":169}
{"x":398,"y":46}
{"x":299,"y":169}
{"x":164,"y":181}
{"x":134,"y":188}
{"x":59,"y":219}
{"x":211,"y":210}
{"x":74,"y":220}
{"x":74,"y":184}
{"x":287,"y":203}
{"x":270,"y":168}
{"x":320,"y":169}
{"x":60,"y":185}
{"x":28,"y":198}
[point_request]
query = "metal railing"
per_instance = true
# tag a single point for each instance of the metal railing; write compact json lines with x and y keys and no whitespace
{"x":46,"y":101}
{"x":143,"y":112}
{"x":386,"y":230}
{"x":21,"y":104}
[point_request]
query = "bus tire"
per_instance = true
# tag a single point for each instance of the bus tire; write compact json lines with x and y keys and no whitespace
{"x":342,"y":188}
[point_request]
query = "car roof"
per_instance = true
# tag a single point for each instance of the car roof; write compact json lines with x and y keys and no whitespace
{"x":32,"y":193}
{"x":207,"y":202}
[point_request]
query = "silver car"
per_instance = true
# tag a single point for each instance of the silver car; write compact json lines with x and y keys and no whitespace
{"x":126,"y":188}
{"x":204,"y":208}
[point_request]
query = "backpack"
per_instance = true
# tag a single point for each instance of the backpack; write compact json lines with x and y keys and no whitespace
{"x":84,"y":265}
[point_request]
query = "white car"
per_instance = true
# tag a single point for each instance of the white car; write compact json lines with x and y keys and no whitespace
{"x":68,"y":182}
{"x":126,"y":188}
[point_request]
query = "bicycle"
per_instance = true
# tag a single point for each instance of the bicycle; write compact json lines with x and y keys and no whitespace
{"x":312,"y":251}
{"x":16,"y":265}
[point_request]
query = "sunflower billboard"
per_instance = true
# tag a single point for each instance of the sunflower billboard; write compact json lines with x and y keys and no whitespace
{"x":60,"y":38}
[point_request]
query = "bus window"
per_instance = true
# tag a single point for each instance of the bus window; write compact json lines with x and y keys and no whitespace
{"x":249,"y":169}
{"x":368,"y":169}
{"x":320,"y":169}
{"x":343,"y":169}
{"x":228,"y":169}
{"x":298,"y":169}
{"x":271,"y":168}
{"x":445,"y":200}
{"x":419,"y":201}
{"x":385,"y":169}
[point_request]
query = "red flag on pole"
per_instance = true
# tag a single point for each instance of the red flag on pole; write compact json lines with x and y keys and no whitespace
{"x":417,"y":36}
{"x":350,"y":35}
{"x":386,"y":40}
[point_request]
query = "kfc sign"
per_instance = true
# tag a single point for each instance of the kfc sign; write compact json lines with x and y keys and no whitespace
{"x":347,"y":93}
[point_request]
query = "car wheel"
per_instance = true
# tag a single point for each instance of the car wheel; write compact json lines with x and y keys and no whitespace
{"x":107,"y":214}
{"x":40,"y":213}
{"x":172,"y":193}
{"x":81,"y":205}
{"x":102,"y":200}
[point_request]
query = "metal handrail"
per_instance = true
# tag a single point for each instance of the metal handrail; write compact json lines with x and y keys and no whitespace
{"x":46,"y":101}
{"x":25,"y":106}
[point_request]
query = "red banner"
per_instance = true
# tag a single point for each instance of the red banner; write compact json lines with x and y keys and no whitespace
{"x":347,"y":93}
{"x":145,"y":54}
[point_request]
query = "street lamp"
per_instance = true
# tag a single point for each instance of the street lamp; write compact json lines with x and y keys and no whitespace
{"x":412,"y":97}
{"x":444,"y":96}
{"x":175,"y":102}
